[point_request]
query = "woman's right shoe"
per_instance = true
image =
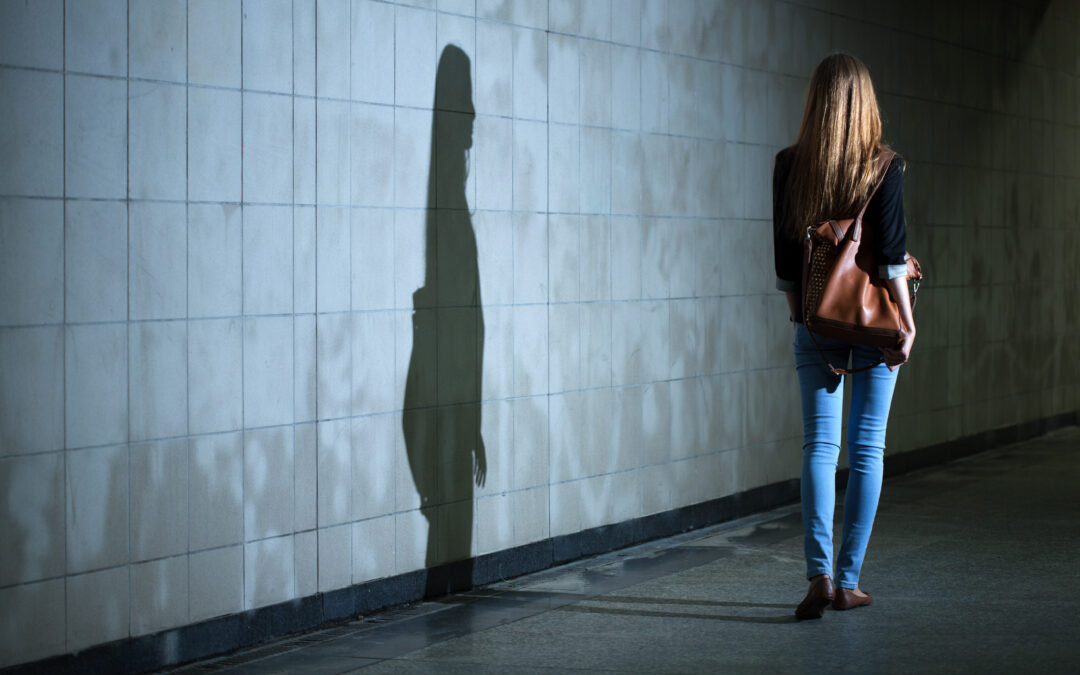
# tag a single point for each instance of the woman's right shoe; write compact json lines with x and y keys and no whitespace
{"x":846,"y":598}
{"x":819,"y":597}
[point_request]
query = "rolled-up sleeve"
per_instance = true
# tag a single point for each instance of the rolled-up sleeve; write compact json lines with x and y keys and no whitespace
{"x":885,"y":213}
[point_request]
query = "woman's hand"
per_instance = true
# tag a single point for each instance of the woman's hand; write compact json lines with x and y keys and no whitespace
{"x":898,"y":355}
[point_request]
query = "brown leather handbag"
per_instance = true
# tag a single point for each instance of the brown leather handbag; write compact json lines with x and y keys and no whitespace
{"x":843,"y":295}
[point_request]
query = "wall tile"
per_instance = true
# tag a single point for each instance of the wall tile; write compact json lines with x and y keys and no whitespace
{"x":31,"y":390}
{"x":96,"y":391}
{"x":157,"y":120}
{"x":97,"y":509}
{"x":158,"y":39}
{"x":158,"y":256}
{"x":334,"y":359}
{"x":414,"y":57}
{"x":530,"y":74}
{"x":530,"y":166}
{"x":159,"y":595}
{"x":494,"y":69}
{"x":92,"y":43}
{"x":335,"y":462}
{"x":372,"y":67}
{"x":213,"y":145}
{"x":372,"y":549}
{"x":217,"y":583}
{"x":32,"y":34}
{"x":306,"y":565}
{"x":31,"y":132}
{"x":268,"y":371}
{"x":333,"y":254}
{"x":372,"y":160}
{"x":373,"y":457}
{"x":159,"y":499}
{"x":335,"y":557}
{"x":95,"y":273}
{"x":217,"y":486}
{"x":157,"y":367}
{"x":214,"y":40}
{"x":31,"y":262}
{"x":305,"y":381}
{"x":268,"y":149}
{"x":215,"y":249}
{"x":268,"y":260}
{"x":333,"y":29}
{"x":33,"y":521}
{"x":268,"y":482}
{"x":215,"y":375}
{"x":95,"y":136}
{"x":372,"y":242}
{"x":267,"y":29}
{"x":305,"y":473}
{"x":32,"y":627}
{"x":373,"y":363}
{"x":98,"y":607}
{"x":412,"y":157}
{"x":269,"y":572}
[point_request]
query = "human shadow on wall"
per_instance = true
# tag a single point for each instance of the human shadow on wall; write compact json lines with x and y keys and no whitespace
{"x":441,"y":419}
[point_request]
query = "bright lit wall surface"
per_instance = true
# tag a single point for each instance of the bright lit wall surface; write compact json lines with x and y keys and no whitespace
{"x":277,"y":277}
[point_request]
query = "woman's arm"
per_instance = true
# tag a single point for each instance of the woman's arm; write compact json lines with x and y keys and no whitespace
{"x":898,"y":355}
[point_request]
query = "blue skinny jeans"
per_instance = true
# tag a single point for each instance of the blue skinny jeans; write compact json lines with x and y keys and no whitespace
{"x":823,"y":410}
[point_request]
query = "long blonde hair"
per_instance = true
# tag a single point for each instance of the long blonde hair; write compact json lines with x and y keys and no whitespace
{"x":834,"y":168}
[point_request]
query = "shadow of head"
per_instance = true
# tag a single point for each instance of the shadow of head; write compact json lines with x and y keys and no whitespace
{"x":454,"y":112}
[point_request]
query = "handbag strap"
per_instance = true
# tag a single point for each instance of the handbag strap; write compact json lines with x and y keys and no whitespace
{"x":884,"y":161}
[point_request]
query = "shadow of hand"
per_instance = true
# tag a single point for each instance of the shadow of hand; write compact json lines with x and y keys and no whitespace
{"x":480,"y":464}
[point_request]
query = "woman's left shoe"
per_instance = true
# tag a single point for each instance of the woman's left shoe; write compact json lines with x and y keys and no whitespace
{"x":819,"y":596}
{"x":847,"y":598}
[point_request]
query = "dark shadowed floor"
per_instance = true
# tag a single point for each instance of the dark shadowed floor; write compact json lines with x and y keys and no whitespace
{"x":974,"y":567}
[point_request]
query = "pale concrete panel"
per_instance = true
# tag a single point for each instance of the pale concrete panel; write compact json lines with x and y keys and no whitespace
{"x":214,"y":137}
{"x":157,"y":368}
{"x":31,"y":133}
{"x":530,"y":350}
{"x":491,"y":164}
{"x":497,"y":373}
{"x":372,"y":51}
{"x":268,"y":148}
{"x":159,"y":499}
{"x":625,"y":87}
{"x":305,"y":381}
{"x":334,"y":353}
{"x":531,"y":452}
{"x":335,"y":557}
{"x":215,"y":254}
{"x":595,"y":239}
{"x":268,"y":371}
{"x":530,"y":258}
{"x":530,"y":74}
{"x":372,"y":240}
{"x":95,"y":261}
{"x":269,"y":572}
{"x":268,"y":260}
{"x":158,"y":39}
{"x":532,"y":13}
{"x":96,"y":393}
{"x":596,"y":83}
{"x":372,"y":549}
{"x":214,"y":38}
{"x":495,"y":256}
{"x":373,"y":363}
{"x":304,"y":250}
{"x":414,"y":57}
{"x":497,"y":439}
{"x":157,"y":126}
{"x":304,"y":477}
{"x":304,"y":150}
{"x":95,"y":137}
{"x":306,"y":565}
{"x":32,"y":625}
{"x":372,"y":161}
{"x":530,"y":515}
{"x":97,"y":509}
{"x":98,"y":607}
{"x":373,"y":458}
{"x":334,"y":154}
{"x":267,"y":46}
{"x":159,"y":595}
{"x":412,"y":156}
{"x":564,"y":344}
{"x":94,"y":38}
{"x":626,"y":242}
{"x":494,"y":69}
{"x":494,"y":523}
{"x":411,"y":534}
{"x":626,"y":22}
{"x":333,"y":28}
{"x":31,"y":261}
{"x":216,"y":485}
{"x":565,"y":508}
{"x":654,"y":92}
{"x":335,"y":472}
{"x":217,"y":583}
{"x":627,"y":172}
{"x":158,"y":261}
{"x":268,"y":482}
{"x":564,"y":257}
{"x":564,"y":79}
{"x":32,"y":34}
{"x":32,"y":521}
{"x":564,"y":155}
{"x":215,"y":375}
{"x":333,"y":282}
{"x":32,"y":390}
{"x":567,"y":461}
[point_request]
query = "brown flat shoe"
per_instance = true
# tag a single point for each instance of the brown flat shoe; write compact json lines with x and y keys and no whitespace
{"x":819,"y":596}
{"x":847,"y":599}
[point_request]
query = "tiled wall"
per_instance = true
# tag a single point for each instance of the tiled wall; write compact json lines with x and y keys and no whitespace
{"x":214,"y":216}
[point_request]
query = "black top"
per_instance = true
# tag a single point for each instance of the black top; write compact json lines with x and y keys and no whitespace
{"x":884,"y":214}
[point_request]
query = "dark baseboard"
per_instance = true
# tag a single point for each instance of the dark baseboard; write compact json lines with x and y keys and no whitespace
{"x":237,"y":631}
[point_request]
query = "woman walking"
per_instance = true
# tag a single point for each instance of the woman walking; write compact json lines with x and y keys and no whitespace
{"x":828,"y":174}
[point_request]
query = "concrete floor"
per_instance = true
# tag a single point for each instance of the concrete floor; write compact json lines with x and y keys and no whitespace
{"x":973,"y":566}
